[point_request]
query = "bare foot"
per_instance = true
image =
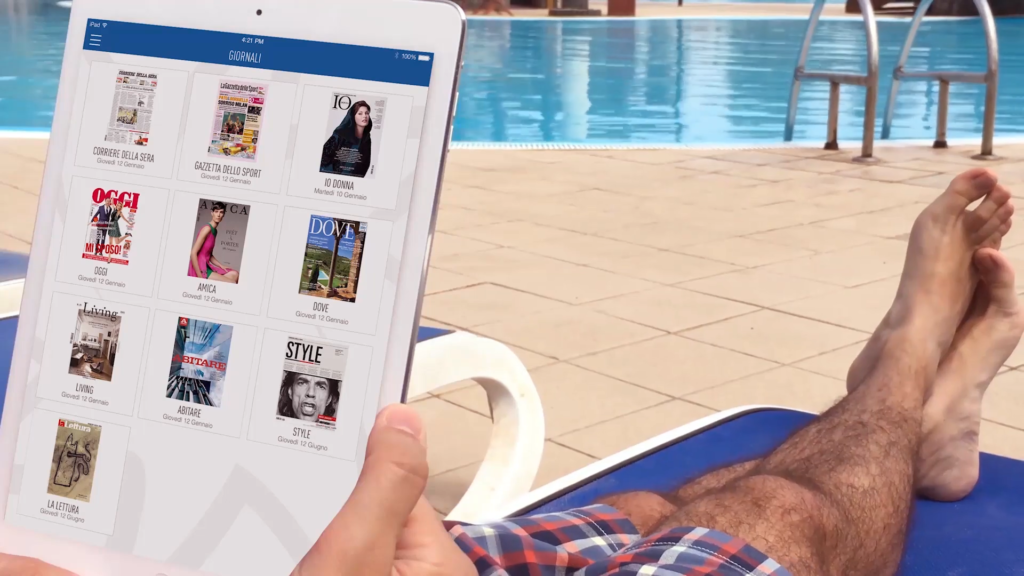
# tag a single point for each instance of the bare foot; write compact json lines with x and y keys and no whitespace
{"x":938,"y":278}
{"x":948,"y":459}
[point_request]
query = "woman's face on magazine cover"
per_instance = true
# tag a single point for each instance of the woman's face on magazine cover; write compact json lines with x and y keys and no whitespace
{"x":309,"y":397}
{"x":217,"y":215}
{"x":362,"y":116}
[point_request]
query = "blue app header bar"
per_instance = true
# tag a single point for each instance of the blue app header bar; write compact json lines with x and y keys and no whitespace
{"x":266,"y":52}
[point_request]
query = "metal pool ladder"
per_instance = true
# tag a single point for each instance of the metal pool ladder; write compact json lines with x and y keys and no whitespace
{"x":869,"y":80}
{"x":990,"y":78}
{"x":835,"y":79}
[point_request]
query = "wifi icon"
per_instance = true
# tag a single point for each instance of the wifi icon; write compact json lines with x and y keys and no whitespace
{"x":104,"y":24}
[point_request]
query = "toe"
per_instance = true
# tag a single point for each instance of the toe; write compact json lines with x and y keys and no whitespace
{"x":983,"y":229}
{"x":969,"y":187}
{"x":993,"y":200}
{"x":997,"y":274}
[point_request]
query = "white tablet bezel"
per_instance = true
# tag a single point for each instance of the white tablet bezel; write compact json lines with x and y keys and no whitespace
{"x":425,"y":26}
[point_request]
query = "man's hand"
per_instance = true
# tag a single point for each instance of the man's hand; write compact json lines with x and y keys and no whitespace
{"x":387,"y":527}
{"x":22,"y":566}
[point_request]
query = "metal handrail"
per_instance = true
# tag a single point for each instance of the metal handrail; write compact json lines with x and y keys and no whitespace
{"x":990,"y":78}
{"x":868,"y":80}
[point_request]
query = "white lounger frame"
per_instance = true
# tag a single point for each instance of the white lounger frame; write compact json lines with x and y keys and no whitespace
{"x":517,"y":436}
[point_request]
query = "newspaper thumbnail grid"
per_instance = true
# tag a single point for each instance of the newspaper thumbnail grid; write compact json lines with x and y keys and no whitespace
{"x":311,"y":382}
{"x":237,"y":120}
{"x":132,"y":111}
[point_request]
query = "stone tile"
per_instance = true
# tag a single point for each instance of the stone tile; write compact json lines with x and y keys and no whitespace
{"x":815,"y":165}
{"x":477,"y":199}
{"x":451,"y":218}
{"x":530,"y":185}
{"x":834,"y":364}
{"x":439,"y":280}
{"x":24,"y":175}
{"x":775,"y":173}
{"x":929,"y":165}
{"x":670,"y":309}
{"x":863,"y":200}
{"x":775,"y":336}
{"x":889,"y":223}
{"x":589,"y":250}
{"x":713,"y":183}
{"x":469,"y":395}
{"x":488,"y":264}
{"x":531,"y":359}
{"x":937,"y":181}
{"x":607,"y":438}
{"x":860,"y":308}
{"x":665,"y":267}
{"x":1016,"y":360}
{"x":445,"y":490}
{"x":674,"y":365}
{"x":783,"y":386}
{"x":786,"y":214}
{"x":803,"y":151}
{"x":758,"y":287}
{"x":849,"y":267}
{"x":567,"y":333}
{"x":745,"y":252}
{"x":18,"y":218}
{"x":513,"y":234}
{"x":568,"y":282}
{"x":449,"y":245}
{"x":592,"y":220}
{"x":813,"y":237}
{"x":1001,"y":440}
{"x":11,"y":244}
{"x":559,"y":461}
{"x":646,"y":156}
{"x":575,"y":398}
{"x":458,"y":437}
{"x":1004,"y":400}
{"x":483,"y":304}
{"x":599,"y":200}
{"x":31,"y":149}
{"x":754,"y":157}
{"x":665,"y":235}
{"x":712,"y":165}
{"x":882,"y":173}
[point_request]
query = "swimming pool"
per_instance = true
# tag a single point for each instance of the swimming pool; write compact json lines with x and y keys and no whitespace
{"x":693,"y":81}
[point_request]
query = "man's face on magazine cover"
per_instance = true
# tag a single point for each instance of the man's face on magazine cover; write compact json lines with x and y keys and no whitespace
{"x":309,"y":397}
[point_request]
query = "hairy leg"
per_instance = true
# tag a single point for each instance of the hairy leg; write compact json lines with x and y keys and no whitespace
{"x":648,"y":510}
{"x":835,"y":498}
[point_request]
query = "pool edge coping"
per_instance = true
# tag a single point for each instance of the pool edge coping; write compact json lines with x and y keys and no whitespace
{"x":849,"y":145}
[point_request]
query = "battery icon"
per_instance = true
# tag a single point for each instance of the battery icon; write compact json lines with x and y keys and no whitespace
{"x":424,"y":57}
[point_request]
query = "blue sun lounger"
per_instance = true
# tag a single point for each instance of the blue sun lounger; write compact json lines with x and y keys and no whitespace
{"x":981,"y":535}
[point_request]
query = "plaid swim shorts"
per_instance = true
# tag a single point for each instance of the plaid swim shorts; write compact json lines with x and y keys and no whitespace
{"x":599,"y":540}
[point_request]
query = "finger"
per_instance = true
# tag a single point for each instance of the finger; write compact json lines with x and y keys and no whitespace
{"x":392,"y":480}
{"x":426,"y":542}
{"x":11,"y":565}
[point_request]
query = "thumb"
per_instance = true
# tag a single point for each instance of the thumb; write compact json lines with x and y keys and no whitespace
{"x":364,"y":533}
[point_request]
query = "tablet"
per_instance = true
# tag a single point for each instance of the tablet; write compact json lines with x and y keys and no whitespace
{"x":225,"y":278}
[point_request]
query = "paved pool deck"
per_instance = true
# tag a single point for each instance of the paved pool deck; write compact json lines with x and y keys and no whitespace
{"x":645,"y":289}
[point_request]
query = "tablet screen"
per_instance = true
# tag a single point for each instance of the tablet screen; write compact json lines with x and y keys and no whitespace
{"x":218,"y":292}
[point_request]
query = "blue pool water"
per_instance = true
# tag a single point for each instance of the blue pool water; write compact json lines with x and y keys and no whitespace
{"x":646,"y":81}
